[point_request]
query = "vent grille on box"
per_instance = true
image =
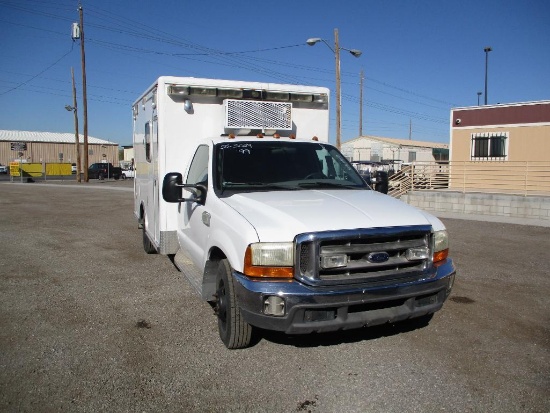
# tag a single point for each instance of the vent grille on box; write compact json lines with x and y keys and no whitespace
{"x":251,"y":114}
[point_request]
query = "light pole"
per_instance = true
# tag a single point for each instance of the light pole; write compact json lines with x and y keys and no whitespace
{"x":314,"y":40}
{"x":486,"y":50}
{"x":478,"y":95}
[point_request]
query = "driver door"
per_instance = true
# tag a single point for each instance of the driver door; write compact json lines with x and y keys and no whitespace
{"x":194,"y":218}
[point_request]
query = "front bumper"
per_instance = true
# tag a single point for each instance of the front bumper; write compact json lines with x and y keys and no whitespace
{"x":321,"y":309}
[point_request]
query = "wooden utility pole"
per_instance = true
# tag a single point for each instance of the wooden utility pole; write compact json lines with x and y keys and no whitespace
{"x":76,"y":137}
{"x":84,"y":95}
{"x":338,"y":92}
{"x":362,"y":76}
{"x":410,"y":128}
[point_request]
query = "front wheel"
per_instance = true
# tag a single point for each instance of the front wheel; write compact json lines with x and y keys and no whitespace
{"x":234,"y":331}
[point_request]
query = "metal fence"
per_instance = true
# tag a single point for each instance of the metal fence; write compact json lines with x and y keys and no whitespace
{"x":518,"y":178}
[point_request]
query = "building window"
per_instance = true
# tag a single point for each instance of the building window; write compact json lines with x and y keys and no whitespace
{"x":412,"y":156}
{"x":490,"y":146}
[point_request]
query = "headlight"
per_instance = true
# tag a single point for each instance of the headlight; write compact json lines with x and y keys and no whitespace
{"x":269,"y":259}
{"x":441,"y":246}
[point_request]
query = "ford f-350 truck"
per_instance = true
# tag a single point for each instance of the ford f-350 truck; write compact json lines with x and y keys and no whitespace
{"x":268,"y":221}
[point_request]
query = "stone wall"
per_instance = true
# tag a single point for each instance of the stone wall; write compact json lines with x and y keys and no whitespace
{"x":515,"y":206}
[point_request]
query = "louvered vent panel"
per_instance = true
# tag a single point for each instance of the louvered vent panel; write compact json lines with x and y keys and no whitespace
{"x":251,"y":114}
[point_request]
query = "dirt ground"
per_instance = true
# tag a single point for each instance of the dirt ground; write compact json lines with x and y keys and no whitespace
{"x":89,"y":322}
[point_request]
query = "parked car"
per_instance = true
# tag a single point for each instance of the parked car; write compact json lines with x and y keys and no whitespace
{"x":3,"y":169}
{"x":102,"y":170}
{"x":128,"y":173}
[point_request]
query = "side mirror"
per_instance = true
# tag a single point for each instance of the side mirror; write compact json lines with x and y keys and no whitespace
{"x":171,"y":187}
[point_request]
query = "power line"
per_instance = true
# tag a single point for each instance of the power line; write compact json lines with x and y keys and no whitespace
{"x":35,"y":76}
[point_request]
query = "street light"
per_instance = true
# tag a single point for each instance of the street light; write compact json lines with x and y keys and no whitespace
{"x":354,"y":52}
{"x":486,"y":50}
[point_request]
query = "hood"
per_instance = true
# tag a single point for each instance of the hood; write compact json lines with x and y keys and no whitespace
{"x":280,"y":215}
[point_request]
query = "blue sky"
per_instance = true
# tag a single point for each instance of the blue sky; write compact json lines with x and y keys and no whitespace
{"x":420,"y":58}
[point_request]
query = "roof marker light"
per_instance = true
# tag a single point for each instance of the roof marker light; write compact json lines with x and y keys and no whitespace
{"x":315,"y":138}
{"x":231,"y":136}
{"x":260,"y":135}
{"x":175,"y":90}
{"x":292,"y":136}
{"x":276,"y":136}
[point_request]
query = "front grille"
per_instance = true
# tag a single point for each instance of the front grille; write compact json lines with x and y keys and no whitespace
{"x":360,"y":247}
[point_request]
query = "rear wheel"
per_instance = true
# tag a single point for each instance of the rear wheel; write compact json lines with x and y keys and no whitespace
{"x":148,"y":246}
{"x":234,"y":331}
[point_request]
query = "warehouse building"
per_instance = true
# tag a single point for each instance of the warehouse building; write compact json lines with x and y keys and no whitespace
{"x":51,"y":147}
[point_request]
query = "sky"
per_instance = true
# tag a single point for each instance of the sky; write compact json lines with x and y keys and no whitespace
{"x":419,"y":58}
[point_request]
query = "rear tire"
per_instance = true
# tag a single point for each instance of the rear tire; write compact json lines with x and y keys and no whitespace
{"x":148,"y":246}
{"x":234,"y":332}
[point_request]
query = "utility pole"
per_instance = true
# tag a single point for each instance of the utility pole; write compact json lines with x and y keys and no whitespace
{"x":76,"y":137}
{"x":84,"y":95}
{"x":410,"y":129}
{"x":338,"y":92}
{"x":356,"y":53}
{"x":362,"y":76}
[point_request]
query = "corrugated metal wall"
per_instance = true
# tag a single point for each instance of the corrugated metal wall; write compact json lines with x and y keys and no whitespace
{"x":50,"y":152}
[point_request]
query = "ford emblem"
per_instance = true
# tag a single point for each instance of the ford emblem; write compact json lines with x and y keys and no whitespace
{"x":378,"y":257}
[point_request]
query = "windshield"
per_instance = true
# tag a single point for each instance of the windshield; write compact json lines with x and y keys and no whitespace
{"x":283,"y":165}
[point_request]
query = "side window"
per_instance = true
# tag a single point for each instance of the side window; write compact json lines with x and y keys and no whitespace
{"x":198,"y":171}
{"x":148,"y":141}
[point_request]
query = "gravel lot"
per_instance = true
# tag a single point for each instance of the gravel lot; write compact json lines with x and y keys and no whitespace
{"x":89,"y":322}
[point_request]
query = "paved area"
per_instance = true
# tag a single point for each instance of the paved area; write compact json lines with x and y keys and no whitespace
{"x":89,"y":322}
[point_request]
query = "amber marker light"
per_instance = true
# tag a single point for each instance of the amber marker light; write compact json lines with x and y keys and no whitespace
{"x":292,"y":136}
{"x":315,"y":138}
{"x":441,"y":255}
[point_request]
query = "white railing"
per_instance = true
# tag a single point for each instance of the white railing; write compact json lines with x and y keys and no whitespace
{"x":519,"y":178}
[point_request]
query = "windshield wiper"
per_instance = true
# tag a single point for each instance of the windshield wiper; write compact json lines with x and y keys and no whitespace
{"x":325,"y":184}
{"x":262,"y":185}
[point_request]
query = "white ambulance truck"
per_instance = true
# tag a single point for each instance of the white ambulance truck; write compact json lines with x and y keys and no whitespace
{"x":268,"y":221}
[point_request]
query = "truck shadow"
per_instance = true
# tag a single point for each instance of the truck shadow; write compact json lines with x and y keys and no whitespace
{"x":343,"y":336}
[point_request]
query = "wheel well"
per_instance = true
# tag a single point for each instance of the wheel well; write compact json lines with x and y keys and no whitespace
{"x":210,"y":270}
{"x":141,"y":222}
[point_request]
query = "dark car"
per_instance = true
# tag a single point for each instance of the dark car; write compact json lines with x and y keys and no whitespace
{"x":102,"y":170}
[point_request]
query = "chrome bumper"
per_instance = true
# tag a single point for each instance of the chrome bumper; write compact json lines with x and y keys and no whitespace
{"x":321,"y":309}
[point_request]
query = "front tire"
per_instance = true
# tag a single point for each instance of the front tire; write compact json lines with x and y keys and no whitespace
{"x":234,"y":331}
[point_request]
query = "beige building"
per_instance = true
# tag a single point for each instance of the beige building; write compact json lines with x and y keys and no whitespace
{"x":515,"y":132}
{"x":495,"y":140}
{"x":50,"y":147}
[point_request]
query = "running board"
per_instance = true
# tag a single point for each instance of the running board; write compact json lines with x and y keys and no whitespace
{"x":191,"y":272}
